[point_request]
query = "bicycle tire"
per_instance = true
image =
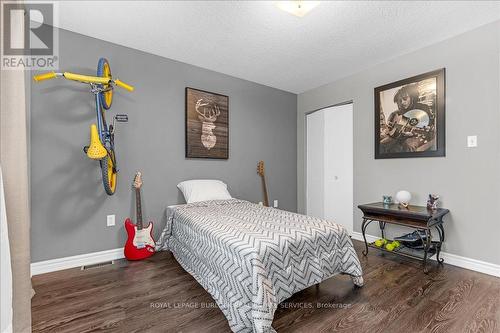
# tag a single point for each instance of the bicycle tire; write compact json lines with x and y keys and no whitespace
{"x":104,"y":70}
{"x":109,"y":173}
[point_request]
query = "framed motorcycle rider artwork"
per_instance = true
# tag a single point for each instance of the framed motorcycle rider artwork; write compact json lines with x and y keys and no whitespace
{"x":410,"y":117}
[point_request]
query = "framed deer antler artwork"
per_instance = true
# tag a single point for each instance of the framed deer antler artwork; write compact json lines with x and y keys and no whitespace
{"x":207,"y":124}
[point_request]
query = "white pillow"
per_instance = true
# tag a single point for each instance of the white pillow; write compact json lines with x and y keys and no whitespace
{"x":203,"y":189}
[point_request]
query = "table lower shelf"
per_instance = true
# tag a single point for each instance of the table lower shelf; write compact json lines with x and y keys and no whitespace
{"x":409,"y":252}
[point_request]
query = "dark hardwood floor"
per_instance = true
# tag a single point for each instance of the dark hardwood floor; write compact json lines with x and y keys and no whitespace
{"x":157,"y":295}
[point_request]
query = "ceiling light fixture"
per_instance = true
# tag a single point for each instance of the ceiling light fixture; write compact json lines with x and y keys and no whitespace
{"x":297,"y":8}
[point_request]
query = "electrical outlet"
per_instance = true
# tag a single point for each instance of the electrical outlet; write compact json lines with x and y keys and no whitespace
{"x":110,"y":220}
{"x":275,"y":204}
{"x":260,"y":203}
{"x":472,"y":141}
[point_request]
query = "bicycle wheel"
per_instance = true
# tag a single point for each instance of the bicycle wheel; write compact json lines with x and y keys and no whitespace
{"x":104,"y":70}
{"x":109,"y":172}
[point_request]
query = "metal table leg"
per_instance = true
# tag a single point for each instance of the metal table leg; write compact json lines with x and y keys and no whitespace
{"x":428,"y":242}
{"x":363,"y":232}
{"x":440,"y":229}
{"x":382,"y":228}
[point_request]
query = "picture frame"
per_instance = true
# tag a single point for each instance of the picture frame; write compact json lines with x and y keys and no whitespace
{"x":410,"y":117}
{"x":206,"y":124}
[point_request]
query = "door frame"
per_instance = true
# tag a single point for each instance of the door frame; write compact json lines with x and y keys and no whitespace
{"x":305,"y":147}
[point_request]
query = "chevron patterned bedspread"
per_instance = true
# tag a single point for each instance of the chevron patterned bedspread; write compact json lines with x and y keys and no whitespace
{"x":250,"y":258}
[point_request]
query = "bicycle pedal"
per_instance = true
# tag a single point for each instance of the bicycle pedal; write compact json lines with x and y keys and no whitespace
{"x":121,"y":118}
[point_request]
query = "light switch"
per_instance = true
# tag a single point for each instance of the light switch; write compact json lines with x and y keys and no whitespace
{"x":472,"y":141}
{"x":275,"y":204}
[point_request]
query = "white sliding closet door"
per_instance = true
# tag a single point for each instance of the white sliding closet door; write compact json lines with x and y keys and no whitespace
{"x":315,"y":164}
{"x":329,"y":190}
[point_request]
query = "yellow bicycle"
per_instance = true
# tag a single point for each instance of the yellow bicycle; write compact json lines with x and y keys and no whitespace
{"x":102,"y":145}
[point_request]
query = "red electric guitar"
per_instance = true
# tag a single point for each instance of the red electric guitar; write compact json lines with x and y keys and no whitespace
{"x":140,"y":243}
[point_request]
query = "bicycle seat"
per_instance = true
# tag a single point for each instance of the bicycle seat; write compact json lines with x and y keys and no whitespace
{"x":96,"y":150}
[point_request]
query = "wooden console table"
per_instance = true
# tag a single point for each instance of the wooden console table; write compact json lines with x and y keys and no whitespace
{"x":415,"y":217}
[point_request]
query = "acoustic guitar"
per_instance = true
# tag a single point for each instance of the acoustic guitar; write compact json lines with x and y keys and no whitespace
{"x":140,"y":243}
{"x":401,"y":126}
{"x":260,"y":171}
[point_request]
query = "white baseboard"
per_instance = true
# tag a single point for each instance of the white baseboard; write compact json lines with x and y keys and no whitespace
{"x":452,"y":259}
{"x":359,"y":236}
{"x":58,"y":264}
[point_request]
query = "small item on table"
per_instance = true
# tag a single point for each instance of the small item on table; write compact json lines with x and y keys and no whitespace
{"x":432,"y":202}
{"x":413,"y":240}
{"x":387,"y":199}
{"x":392,"y":246}
{"x":403,"y":198}
{"x":412,"y":237}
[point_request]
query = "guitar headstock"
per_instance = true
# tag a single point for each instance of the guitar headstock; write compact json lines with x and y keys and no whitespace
{"x":260,"y":168}
{"x":137,"y":180}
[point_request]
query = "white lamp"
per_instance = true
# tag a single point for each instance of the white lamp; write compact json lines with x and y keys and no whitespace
{"x":403,"y":198}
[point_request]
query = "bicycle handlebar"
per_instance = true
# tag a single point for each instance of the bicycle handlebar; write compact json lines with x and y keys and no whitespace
{"x":84,"y":79}
{"x":45,"y":76}
{"x":124,"y":85}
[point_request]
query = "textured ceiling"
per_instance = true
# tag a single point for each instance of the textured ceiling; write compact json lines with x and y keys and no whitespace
{"x":254,"y":40}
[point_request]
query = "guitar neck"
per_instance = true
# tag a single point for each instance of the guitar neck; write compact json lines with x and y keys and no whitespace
{"x":138,"y":208}
{"x":264,"y":188}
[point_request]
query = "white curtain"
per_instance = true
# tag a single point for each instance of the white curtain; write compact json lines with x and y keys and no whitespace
{"x":14,"y":162}
{"x":5,"y":268}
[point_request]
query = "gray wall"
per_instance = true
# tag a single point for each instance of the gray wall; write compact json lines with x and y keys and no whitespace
{"x":467,"y":179}
{"x":69,"y":206}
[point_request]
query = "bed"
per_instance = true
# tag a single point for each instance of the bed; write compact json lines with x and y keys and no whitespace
{"x":250,"y":257}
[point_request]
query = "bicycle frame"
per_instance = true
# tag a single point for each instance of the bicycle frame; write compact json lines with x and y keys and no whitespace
{"x":105,"y":134}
